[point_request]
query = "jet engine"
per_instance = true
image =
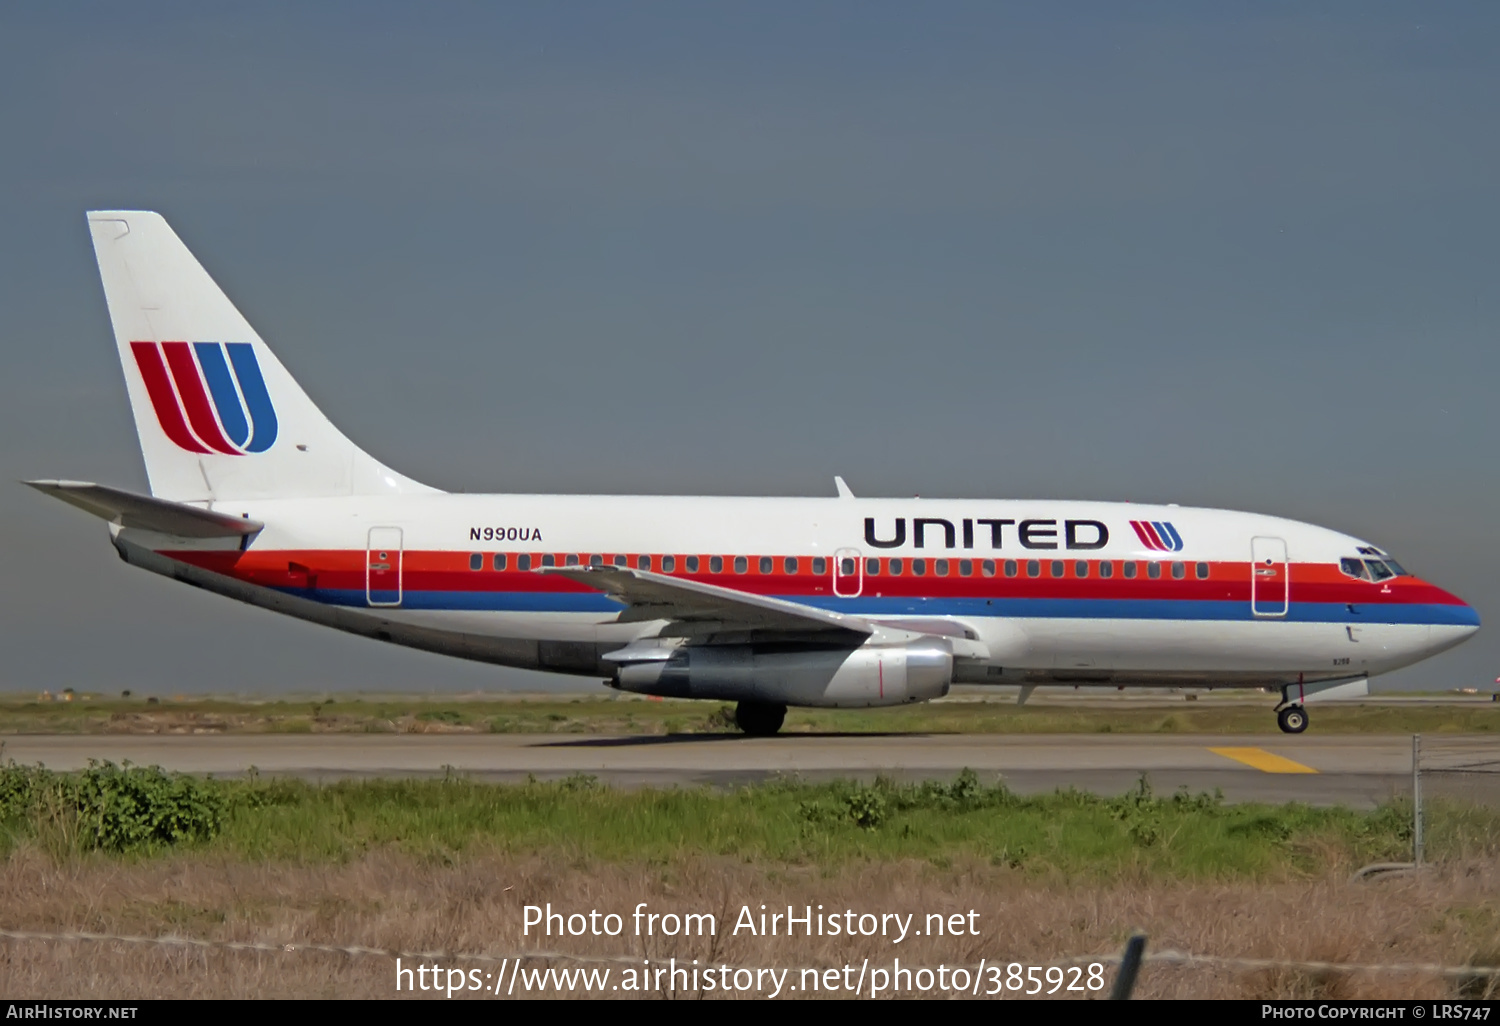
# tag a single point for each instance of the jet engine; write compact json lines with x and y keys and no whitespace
{"x":792,"y":675}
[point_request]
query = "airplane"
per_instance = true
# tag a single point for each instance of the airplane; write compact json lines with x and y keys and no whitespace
{"x":764,"y":602}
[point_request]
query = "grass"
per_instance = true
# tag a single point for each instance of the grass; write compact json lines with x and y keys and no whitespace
{"x":143,"y":813}
{"x":448,"y":865}
{"x":825,"y":825}
{"x":475,"y":904}
{"x":631,"y":715}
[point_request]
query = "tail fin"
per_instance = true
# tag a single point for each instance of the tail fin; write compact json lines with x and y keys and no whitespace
{"x":217,"y":414}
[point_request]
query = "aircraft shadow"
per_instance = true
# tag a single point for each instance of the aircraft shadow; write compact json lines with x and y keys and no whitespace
{"x":680,"y":739}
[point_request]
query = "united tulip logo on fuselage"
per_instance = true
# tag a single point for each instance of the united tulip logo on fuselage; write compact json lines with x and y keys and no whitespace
{"x":209,"y":397}
{"x":1158,"y":535}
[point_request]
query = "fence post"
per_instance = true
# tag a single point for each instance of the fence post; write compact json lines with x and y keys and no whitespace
{"x":1130,"y":967}
{"x":1416,"y":799}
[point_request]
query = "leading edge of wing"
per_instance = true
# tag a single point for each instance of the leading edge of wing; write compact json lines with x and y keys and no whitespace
{"x":652,"y":596}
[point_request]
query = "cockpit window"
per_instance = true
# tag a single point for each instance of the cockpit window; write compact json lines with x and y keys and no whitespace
{"x":1377,"y":558}
{"x":1372,"y":569}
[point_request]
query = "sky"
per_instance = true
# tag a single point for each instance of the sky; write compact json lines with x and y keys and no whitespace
{"x":1238,"y":255}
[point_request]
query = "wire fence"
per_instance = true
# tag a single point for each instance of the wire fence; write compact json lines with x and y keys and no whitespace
{"x":1455,"y":796}
{"x":1134,"y":955}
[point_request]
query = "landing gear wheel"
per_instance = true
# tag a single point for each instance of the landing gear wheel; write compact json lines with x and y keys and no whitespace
{"x":759,"y":719}
{"x":1292,"y":719}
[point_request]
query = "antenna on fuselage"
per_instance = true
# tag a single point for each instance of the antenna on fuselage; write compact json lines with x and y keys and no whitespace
{"x":844,"y":492}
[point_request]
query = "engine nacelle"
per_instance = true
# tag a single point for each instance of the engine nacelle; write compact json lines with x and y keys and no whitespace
{"x":830,"y":677}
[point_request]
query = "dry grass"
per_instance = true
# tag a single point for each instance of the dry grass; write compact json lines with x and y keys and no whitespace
{"x":474,"y":904}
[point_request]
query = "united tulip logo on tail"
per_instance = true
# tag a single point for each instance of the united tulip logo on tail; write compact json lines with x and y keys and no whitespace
{"x":209,"y":397}
{"x":1158,"y":535}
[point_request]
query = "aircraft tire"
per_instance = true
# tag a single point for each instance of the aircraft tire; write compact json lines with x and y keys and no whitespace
{"x":1292,"y":719}
{"x":759,"y":719}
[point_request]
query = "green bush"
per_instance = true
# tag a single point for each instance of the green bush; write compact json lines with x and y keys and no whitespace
{"x":114,"y":808}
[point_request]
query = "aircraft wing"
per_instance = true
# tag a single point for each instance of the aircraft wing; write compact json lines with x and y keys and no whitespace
{"x":147,"y":513}
{"x":704,"y":607}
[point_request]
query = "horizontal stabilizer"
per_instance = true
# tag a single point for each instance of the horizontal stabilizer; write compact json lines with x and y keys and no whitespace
{"x":145,"y":513}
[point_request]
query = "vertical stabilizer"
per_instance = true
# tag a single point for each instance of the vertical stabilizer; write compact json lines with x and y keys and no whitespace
{"x":217,"y":415}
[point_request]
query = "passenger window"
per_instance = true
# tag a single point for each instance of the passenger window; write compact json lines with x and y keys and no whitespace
{"x":1378,"y":570}
{"x":1033,"y":568}
{"x":789,"y":564}
{"x":966,"y":568}
{"x":820,"y":565}
{"x":895,"y":568}
{"x":596,"y":560}
{"x":1011,"y":568}
{"x":1129,"y":566}
{"x":767,"y":564}
{"x":919,"y":567}
{"x":668,"y":564}
{"x":572,"y":559}
{"x":476,"y":561}
{"x":872,"y":567}
{"x":1202,"y":571}
{"x":499,"y":561}
{"x":741,"y":564}
{"x":523,"y":561}
{"x":1057,"y":568}
{"x":548,"y":559}
{"x":1353,"y":567}
{"x":716,"y":564}
{"x":1153,"y":570}
{"x":848,"y":567}
{"x":1179,"y":571}
{"x":1106,"y":568}
{"x":1081,"y":568}
{"x":643,"y":562}
{"x":988,"y":568}
{"x":692,"y":564}
{"x":621,"y":561}
{"x":940,"y":567}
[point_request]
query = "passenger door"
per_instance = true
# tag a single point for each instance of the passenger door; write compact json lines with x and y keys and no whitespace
{"x":1270,"y":580}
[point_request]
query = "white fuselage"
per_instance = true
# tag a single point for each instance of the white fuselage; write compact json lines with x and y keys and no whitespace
{"x":1030,"y":591}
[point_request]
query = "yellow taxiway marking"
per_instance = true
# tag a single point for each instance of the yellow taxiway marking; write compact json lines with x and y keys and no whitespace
{"x":1263,"y":760}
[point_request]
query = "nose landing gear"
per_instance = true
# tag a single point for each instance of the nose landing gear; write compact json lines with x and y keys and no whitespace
{"x":1292,"y":719}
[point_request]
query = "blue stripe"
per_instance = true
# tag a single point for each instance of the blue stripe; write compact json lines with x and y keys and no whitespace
{"x":262,"y":414}
{"x":1086,"y":609}
{"x":221,"y":387}
{"x":1176,"y":538}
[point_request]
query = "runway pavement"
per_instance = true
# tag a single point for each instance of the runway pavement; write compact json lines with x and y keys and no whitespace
{"x":1357,"y":771}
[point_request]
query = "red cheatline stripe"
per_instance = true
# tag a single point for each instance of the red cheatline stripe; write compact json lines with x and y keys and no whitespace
{"x":163,"y":399}
{"x":1140,"y":532}
{"x":195,"y":397}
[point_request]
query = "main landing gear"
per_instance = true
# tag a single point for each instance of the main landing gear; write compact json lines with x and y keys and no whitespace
{"x":1292,"y":719}
{"x":759,"y":719}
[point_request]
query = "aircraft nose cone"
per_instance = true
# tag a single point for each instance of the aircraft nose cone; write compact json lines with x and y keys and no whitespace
{"x":1454,"y":621}
{"x":1463,"y":613}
